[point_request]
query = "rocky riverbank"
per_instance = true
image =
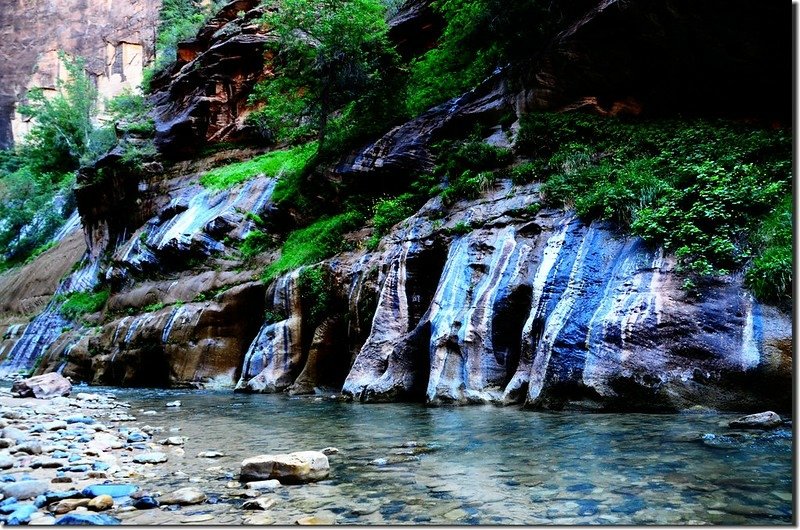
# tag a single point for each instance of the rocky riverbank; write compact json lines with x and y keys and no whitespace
{"x":184,"y":463}
{"x":87,"y":459}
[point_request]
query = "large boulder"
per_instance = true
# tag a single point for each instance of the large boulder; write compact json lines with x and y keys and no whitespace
{"x":43,"y":386}
{"x":762,"y":420}
{"x":299,"y":467}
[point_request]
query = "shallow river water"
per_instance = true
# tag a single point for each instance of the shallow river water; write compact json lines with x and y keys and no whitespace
{"x":476,"y":465}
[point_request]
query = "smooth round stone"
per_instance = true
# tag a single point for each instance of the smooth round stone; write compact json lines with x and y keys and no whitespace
{"x":210,"y":454}
{"x":69,"y":505}
{"x":260,"y":503}
{"x":264,"y":484}
{"x":135,"y":437}
{"x":172,"y":440}
{"x":25,"y":489}
{"x":7,"y":462}
{"x":150,"y":458}
{"x":184,"y":496}
{"x":21,"y":515}
{"x":101,"y":503}
{"x":86,"y":420}
{"x":114,"y":490}
{"x":146,"y":503}
{"x":31,"y":448}
{"x":319,"y":519}
{"x":173,"y":404}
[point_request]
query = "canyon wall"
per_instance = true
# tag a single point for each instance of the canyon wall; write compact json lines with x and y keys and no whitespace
{"x":115,"y":38}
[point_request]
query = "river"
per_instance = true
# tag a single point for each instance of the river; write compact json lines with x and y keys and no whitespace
{"x":407,"y":463}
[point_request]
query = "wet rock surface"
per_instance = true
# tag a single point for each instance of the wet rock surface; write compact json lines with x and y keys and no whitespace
{"x":42,"y":386}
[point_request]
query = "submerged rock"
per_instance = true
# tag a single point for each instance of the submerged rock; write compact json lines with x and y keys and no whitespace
{"x":299,"y":467}
{"x":114,"y":490}
{"x":762,"y":420}
{"x":77,"y":519}
{"x":43,"y":386}
{"x":150,"y":458}
{"x":184,"y":496}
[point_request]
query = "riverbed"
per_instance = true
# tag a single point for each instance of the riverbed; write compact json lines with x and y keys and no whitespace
{"x":406,"y":463}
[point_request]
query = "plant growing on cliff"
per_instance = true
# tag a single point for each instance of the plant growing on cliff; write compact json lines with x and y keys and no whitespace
{"x":331,"y":53}
{"x":697,"y":187}
{"x":75,"y":305}
{"x":322,"y":239}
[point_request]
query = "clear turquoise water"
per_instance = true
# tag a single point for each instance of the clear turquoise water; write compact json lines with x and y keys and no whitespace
{"x":480,"y":465}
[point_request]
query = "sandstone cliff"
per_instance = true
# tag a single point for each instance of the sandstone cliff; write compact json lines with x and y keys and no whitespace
{"x":115,"y":38}
{"x":491,"y":300}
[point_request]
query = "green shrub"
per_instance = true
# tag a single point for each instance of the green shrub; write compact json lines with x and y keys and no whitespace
{"x":315,"y":294}
{"x":460,"y":228}
{"x":389,"y":212}
{"x":256,"y":242}
{"x":75,"y":305}
{"x":311,"y":244}
{"x":770,"y":275}
{"x":156,"y":306}
{"x":697,"y":187}
{"x":285,"y":164}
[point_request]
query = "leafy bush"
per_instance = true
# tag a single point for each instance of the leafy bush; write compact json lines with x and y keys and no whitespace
{"x":770,"y":275}
{"x":315,"y":294}
{"x":285,"y":164}
{"x":479,"y":36}
{"x":63,"y":137}
{"x":255,"y":243}
{"x":76,"y":305}
{"x":467,"y":167}
{"x":331,"y":55}
{"x":179,"y":20}
{"x":311,"y":244}
{"x":389,"y":212}
{"x":697,"y":187}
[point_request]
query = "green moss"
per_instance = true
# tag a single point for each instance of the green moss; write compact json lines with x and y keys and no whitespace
{"x":157,"y":306}
{"x":311,"y":244}
{"x":286,"y":164}
{"x":76,"y":305}
{"x":255,"y":243}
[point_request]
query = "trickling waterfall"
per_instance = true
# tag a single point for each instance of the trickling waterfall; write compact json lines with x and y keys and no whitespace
{"x":276,"y":354}
{"x":750,"y":334}
{"x":170,"y":322}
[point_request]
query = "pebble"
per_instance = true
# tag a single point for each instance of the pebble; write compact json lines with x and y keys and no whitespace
{"x":184,"y":496}
{"x":146,"y":503}
{"x":260,"y":503}
{"x":101,"y":503}
{"x":114,"y":490}
{"x":261,"y":519}
{"x":99,"y":519}
{"x":175,"y":403}
{"x":319,"y":519}
{"x":5,"y":443}
{"x":329,"y":451}
{"x":68,"y":505}
{"x":6,"y":462}
{"x":172,"y":440}
{"x":25,"y":489}
{"x":260,"y":485}
{"x":150,"y":458}
{"x":210,"y":454}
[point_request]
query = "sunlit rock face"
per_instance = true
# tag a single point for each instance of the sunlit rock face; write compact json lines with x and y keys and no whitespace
{"x":117,"y":42}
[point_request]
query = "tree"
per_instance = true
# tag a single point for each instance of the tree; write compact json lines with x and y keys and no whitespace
{"x":63,"y":136}
{"x":331,"y":54}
